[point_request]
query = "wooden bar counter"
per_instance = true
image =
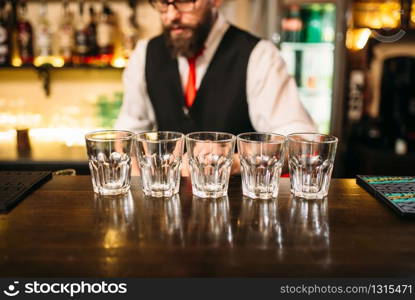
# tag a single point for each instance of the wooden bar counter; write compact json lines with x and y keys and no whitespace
{"x":63,"y":229}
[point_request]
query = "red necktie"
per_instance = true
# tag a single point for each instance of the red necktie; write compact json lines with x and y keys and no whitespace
{"x":190,"y":92}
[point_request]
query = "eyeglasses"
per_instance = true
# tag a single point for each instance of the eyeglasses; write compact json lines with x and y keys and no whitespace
{"x":179,"y":5}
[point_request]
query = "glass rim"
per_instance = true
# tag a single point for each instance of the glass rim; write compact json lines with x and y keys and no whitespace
{"x":333,"y":139}
{"x":239,"y":138}
{"x":173,"y":139}
{"x":89,"y":135}
{"x":231,"y":138}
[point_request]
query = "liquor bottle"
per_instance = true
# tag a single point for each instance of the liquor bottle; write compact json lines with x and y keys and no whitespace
{"x":92,"y":36}
{"x":292,"y":25}
{"x":15,"y":59}
{"x":24,"y":35}
{"x":314,"y":24}
{"x":44,"y":37}
{"x":81,"y":37}
{"x":4,"y":35}
{"x":130,"y":34}
{"x":328,"y":23}
{"x":66,"y":35}
{"x":105,"y":35}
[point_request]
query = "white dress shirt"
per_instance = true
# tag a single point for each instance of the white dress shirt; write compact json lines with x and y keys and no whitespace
{"x":273,"y":102}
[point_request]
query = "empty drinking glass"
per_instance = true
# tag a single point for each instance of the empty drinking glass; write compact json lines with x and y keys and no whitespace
{"x":109,"y":153}
{"x":159,"y":156}
{"x":262,"y":159}
{"x":311,"y":160}
{"x":210,"y":160}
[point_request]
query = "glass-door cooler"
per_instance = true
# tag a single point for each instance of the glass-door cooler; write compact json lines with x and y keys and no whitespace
{"x":307,"y":38}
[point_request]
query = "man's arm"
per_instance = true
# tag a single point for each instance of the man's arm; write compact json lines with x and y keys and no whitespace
{"x":136,"y":112}
{"x":274,"y":105}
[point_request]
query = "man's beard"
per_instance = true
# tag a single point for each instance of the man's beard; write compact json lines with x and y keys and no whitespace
{"x":189,"y":47}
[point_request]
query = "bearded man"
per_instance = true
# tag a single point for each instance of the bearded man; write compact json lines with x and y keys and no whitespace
{"x":203,"y":74}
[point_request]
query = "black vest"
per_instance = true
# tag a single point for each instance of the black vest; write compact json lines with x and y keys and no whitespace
{"x":221,"y":101}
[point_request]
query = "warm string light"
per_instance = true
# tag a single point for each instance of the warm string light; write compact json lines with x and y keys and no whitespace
{"x":70,"y":137}
{"x":377,"y":15}
{"x":368,"y":16}
{"x":55,"y":61}
{"x":16,"y":62}
{"x":413,"y":13}
{"x":356,"y":39}
{"x":119,"y":62}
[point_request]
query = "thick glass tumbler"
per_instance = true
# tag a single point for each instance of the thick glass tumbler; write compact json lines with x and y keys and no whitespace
{"x":262,"y":158}
{"x":109,"y":155}
{"x":159,"y":156}
{"x":210,"y":159}
{"x":311,"y":160}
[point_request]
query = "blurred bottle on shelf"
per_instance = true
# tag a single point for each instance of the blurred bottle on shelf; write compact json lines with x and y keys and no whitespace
{"x":328,"y":23}
{"x":4,"y":35}
{"x":92,"y":36}
{"x":130,"y":32}
{"x":313,"y":28}
{"x":105,"y":35}
{"x":24,"y":35}
{"x":292,"y":28}
{"x":85,"y":36}
{"x":66,"y":34}
{"x":44,"y":38}
{"x":292,"y":25}
{"x":81,"y":37}
{"x":15,"y":59}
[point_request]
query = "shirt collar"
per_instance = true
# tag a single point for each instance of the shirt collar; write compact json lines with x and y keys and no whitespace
{"x":217,"y":32}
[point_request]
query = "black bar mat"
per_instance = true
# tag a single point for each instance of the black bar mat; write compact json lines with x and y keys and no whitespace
{"x":398,"y":192}
{"x":15,"y":186}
